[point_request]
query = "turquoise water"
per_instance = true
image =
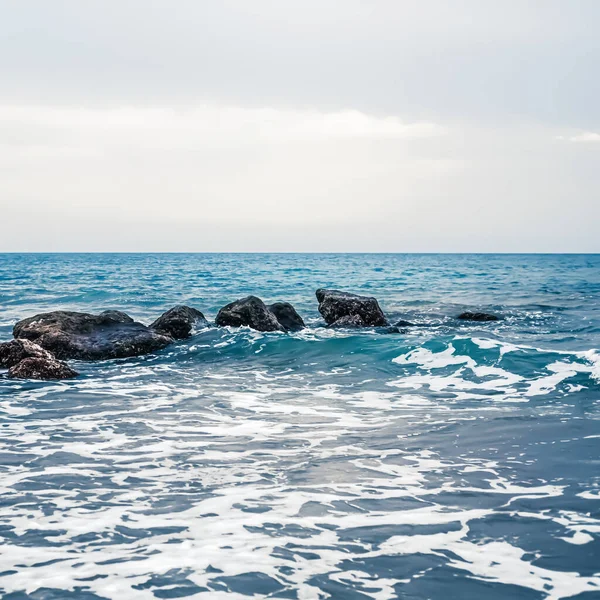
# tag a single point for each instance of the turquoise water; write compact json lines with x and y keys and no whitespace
{"x":452,"y":460}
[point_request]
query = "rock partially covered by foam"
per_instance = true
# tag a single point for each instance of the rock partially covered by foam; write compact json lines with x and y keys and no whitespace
{"x":179,"y":322}
{"x":477,"y":316}
{"x":250,"y":311}
{"x":83,"y":336}
{"x":44,"y":368}
{"x":287,"y":316}
{"x":13,"y":352}
{"x":335,"y":305}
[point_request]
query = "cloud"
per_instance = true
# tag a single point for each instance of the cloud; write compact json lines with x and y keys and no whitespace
{"x":205,"y":124}
{"x":586,"y":136}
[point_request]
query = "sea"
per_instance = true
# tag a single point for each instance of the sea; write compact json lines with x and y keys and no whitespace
{"x":450,"y":460}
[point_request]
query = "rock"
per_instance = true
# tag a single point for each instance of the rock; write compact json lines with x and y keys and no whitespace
{"x":403,"y":323}
{"x":477,"y":316}
{"x":83,"y":336}
{"x":116,"y":315}
{"x":287,"y":316}
{"x":250,"y":311}
{"x":349,"y":321}
{"x":37,"y":367}
{"x":334,"y":305}
{"x":13,"y":352}
{"x":179,"y":322}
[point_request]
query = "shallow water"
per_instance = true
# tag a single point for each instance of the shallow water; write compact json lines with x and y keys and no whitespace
{"x":452,"y":460}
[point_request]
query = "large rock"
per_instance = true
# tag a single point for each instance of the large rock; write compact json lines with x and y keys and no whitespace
{"x":37,"y":367}
{"x":13,"y":352}
{"x":83,"y":336}
{"x":179,"y":322}
{"x":287,"y":316}
{"x":250,"y":311}
{"x":334,"y":305}
{"x":477,"y":316}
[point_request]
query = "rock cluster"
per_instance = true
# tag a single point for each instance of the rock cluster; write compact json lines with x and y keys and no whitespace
{"x":43,"y":341}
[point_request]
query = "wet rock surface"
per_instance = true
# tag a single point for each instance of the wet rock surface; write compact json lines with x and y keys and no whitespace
{"x":335,"y":304}
{"x":83,"y":336}
{"x":43,"y":368}
{"x":477,"y":316}
{"x":179,"y":322}
{"x":350,"y":321}
{"x":250,"y":311}
{"x":13,"y":352}
{"x":287,"y":316}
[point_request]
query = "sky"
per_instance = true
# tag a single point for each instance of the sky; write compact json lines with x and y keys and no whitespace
{"x":306,"y":126}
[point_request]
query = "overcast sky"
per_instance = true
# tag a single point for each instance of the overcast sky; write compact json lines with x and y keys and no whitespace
{"x":288,"y":125}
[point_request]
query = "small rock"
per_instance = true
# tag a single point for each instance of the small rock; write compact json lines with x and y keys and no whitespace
{"x":287,"y":316}
{"x":403,"y":323}
{"x":477,"y":316}
{"x":250,"y":311}
{"x":179,"y":322}
{"x":41,"y":368}
{"x":334,"y":304}
{"x":13,"y":352}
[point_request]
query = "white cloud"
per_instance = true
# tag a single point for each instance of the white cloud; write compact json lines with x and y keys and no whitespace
{"x":586,"y":136}
{"x":205,"y":124}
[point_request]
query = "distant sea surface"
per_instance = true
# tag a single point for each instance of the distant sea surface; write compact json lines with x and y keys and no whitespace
{"x":452,"y":460}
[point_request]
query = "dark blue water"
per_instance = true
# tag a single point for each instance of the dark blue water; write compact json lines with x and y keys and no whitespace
{"x":453,"y":460}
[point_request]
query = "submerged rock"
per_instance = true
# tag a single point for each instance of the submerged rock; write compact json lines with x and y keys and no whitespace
{"x":287,"y":316}
{"x":111,"y":334}
{"x":250,"y":311}
{"x":350,"y":321}
{"x":334,"y":305}
{"x":477,"y":316}
{"x":179,"y":322}
{"x":13,"y":352}
{"x":37,"y":367}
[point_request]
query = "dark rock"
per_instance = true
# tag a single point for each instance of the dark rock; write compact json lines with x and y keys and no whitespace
{"x":83,"y":336}
{"x":391,"y":329}
{"x":287,"y":316}
{"x":477,"y":316}
{"x":349,"y":321}
{"x":403,"y":323}
{"x":13,"y":352}
{"x":250,"y":311}
{"x":179,"y":322}
{"x":334,"y":305}
{"x":41,"y":368}
{"x":116,"y":315}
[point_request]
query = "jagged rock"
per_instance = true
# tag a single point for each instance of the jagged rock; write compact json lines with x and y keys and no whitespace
{"x":37,"y":367}
{"x":13,"y":352}
{"x":179,"y":322}
{"x":334,"y":305}
{"x":349,"y":321}
{"x":250,"y":311}
{"x":287,"y":316}
{"x":111,"y":334}
{"x":477,"y":316}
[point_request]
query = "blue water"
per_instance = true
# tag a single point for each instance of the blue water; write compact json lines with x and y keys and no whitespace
{"x":453,"y":460}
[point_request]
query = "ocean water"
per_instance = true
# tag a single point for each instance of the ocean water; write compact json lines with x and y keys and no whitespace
{"x":453,"y":460}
